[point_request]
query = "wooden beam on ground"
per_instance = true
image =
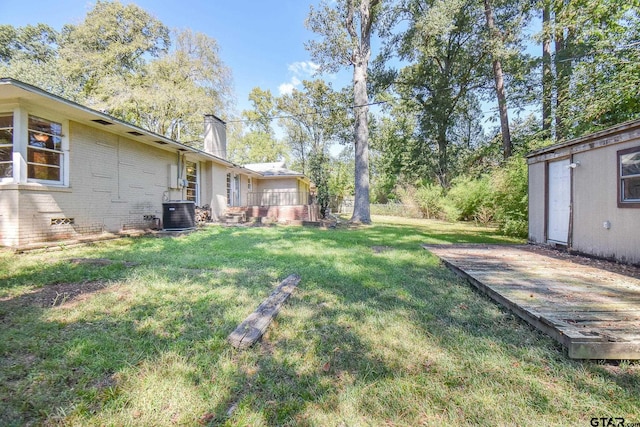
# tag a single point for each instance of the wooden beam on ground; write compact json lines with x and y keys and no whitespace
{"x":255,"y":325}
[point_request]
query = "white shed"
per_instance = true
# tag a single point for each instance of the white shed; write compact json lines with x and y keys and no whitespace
{"x":584,"y":194}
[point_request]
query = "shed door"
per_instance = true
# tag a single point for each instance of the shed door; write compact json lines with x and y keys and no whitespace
{"x":559,"y":193}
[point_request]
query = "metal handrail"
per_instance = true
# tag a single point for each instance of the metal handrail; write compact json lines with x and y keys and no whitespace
{"x":277,"y":198}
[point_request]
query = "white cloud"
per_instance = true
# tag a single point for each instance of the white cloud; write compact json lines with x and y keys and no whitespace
{"x":308,"y":68}
{"x":300,"y":70}
{"x":287,"y":88}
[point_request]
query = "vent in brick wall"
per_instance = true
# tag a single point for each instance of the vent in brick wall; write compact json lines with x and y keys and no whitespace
{"x":63,"y":221}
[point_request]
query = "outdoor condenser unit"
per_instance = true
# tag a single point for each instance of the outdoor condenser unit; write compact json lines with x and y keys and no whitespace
{"x":178,"y":215}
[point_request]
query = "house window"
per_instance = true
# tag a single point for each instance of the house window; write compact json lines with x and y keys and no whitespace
{"x":6,"y":145}
{"x":629,"y":177}
{"x":44,"y":152}
{"x":192,"y":181}
{"x":236,"y":190}
{"x":228,"y":189}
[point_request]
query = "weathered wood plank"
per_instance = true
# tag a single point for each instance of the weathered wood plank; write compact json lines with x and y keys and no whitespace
{"x":255,"y":325}
{"x":592,"y":312}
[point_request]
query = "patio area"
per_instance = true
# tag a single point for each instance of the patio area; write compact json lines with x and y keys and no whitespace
{"x":589,"y":306}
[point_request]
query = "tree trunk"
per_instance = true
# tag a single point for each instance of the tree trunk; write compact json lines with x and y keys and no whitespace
{"x":564,"y":70}
{"x":443,"y":160}
{"x":360,"y":60}
{"x":547,"y":76}
{"x":361,"y":208}
{"x":507,"y":146}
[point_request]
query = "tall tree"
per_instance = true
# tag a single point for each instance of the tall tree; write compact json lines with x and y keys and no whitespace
{"x":547,"y":76}
{"x":592,"y":71}
{"x":30,"y":54}
{"x":174,"y":91}
{"x":346,"y":31}
{"x":258,"y":143}
{"x":496,"y":48}
{"x":447,"y":69}
{"x":109,"y":48}
{"x":313,"y":118}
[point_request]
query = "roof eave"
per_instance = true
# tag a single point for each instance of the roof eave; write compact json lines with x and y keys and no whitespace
{"x":103,"y":116}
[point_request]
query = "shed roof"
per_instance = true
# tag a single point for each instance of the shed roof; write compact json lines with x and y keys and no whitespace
{"x":608,"y":136}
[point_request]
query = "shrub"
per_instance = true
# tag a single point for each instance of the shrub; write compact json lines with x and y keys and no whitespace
{"x":510,"y":194}
{"x":472,"y":198}
{"x":434,"y":205}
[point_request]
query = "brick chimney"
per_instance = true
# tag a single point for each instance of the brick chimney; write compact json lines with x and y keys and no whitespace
{"x":215,"y":136}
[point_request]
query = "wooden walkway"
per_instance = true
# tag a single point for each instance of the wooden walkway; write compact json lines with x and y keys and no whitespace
{"x":593,"y":312}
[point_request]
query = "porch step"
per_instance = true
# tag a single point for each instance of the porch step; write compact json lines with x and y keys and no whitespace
{"x":235,"y":217}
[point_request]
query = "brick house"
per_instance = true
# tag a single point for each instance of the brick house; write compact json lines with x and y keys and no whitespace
{"x":67,"y":170}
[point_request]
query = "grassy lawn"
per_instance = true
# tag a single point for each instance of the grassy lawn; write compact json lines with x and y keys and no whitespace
{"x":378,"y":333}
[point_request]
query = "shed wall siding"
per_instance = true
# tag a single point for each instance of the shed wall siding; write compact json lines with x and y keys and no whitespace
{"x":595,"y":200}
{"x":537,"y":202}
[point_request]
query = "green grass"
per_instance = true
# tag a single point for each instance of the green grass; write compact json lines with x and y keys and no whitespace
{"x":369,"y":338}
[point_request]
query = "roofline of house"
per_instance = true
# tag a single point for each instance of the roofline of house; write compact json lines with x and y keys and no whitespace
{"x":179,"y":146}
{"x":40,"y":92}
{"x":622,"y":127}
{"x":291,"y":175}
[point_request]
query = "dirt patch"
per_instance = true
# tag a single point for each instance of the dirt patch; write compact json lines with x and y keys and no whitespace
{"x":380,"y":249}
{"x":99,"y":262}
{"x":55,"y":295}
{"x":604,"y":264}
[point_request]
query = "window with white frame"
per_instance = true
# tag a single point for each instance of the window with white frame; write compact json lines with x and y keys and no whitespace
{"x":229,"y":189}
{"x":629,"y":177}
{"x":44,"y":150}
{"x":236,"y":190}
{"x":192,"y":181}
{"x":6,"y":146}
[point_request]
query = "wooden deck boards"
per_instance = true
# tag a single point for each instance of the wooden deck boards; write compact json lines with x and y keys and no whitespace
{"x":593,"y":312}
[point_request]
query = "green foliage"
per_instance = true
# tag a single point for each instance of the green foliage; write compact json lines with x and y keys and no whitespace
{"x":121,"y":59}
{"x":427,"y":201}
{"x":472,"y":197}
{"x":314,"y":118}
{"x":30,"y":54}
{"x":341,"y":177}
{"x":319,"y":175}
{"x":256,"y":147}
{"x":510,"y":197}
{"x":595,"y":74}
{"x":110,"y":47}
{"x":497,"y":197}
{"x":255,"y":141}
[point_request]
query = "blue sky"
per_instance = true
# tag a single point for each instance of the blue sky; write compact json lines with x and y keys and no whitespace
{"x":262,"y":41}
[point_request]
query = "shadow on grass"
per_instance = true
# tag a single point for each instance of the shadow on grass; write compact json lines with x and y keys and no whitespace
{"x":367,"y":338}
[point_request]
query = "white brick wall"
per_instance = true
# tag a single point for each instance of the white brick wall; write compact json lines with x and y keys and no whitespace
{"x":114,"y":182}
